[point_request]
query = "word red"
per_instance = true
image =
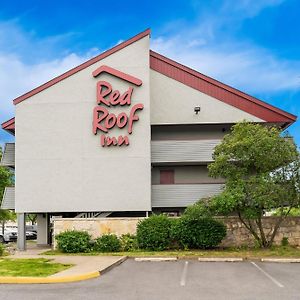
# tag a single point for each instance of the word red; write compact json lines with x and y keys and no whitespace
{"x":104,"y":120}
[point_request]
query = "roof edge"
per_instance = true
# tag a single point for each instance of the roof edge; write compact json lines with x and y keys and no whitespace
{"x":223,"y":86}
{"x":82,"y":66}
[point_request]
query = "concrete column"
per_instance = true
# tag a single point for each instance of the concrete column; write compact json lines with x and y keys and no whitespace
{"x":21,"y":242}
{"x":42,"y":229}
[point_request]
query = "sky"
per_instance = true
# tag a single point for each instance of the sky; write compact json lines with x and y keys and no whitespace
{"x":251,"y":45}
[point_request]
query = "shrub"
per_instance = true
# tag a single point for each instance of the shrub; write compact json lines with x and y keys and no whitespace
{"x":153,"y":233}
{"x":107,"y":243}
{"x":128,"y":242}
{"x":285,"y":241}
{"x":73,"y":241}
{"x":2,"y":249}
{"x":198,"y":233}
{"x":201,"y":209}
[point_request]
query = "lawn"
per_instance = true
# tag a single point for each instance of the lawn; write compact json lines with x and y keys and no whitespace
{"x":247,"y":253}
{"x":37,"y":267}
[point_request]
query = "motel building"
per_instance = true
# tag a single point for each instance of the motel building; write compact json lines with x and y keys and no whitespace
{"x":127,"y":133}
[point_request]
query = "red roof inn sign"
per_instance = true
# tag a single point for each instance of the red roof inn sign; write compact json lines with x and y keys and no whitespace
{"x":107,"y":97}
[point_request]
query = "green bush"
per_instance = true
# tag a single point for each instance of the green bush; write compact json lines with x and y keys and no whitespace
{"x":73,"y":241}
{"x":107,"y":243}
{"x":198,"y":233}
{"x":285,"y":241}
{"x":153,"y":233}
{"x":200,"y":209}
{"x":128,"y":242}
{"x":2,"y":249}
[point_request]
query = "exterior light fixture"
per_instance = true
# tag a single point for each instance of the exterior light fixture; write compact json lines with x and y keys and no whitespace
{"x":197,"y":109}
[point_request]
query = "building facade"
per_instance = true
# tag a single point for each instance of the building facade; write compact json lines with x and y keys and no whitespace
{"x":123,"y":134}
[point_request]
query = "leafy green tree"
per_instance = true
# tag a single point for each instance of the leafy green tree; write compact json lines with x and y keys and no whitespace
{"x":6,"y":179}
{"x":261,"y":168}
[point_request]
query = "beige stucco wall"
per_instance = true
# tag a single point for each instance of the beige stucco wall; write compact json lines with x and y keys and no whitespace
{"x":186,"y":175}
{"x":173,"y":102}
{"x":60,"y":165}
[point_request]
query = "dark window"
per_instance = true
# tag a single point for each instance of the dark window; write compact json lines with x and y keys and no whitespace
{"x":167,"y":177}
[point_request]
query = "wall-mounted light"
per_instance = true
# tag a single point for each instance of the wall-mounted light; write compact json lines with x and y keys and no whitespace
{"x":197,"y":109}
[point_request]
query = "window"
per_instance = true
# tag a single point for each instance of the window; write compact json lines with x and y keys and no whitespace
{"x":166,"y":176}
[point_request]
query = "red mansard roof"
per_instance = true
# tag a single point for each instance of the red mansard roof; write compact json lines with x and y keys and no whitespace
{"x":184,"y":75}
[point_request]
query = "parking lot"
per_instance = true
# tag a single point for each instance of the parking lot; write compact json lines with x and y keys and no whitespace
{"x":183,"y":279}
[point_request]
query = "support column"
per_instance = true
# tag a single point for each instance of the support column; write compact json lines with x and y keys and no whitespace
{"x":21,"y":241}
{"x":42,"y":229}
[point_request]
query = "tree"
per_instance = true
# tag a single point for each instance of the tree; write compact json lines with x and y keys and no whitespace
{"x":261,"y":168}
{"x":6,"y":179}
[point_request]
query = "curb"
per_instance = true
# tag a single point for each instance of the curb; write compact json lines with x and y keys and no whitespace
{"x":155,"y":258}
{"x":281,"y":260}
{"x":118,"y":262}
{"x":64,"y":279}
{"x":220,"y":259}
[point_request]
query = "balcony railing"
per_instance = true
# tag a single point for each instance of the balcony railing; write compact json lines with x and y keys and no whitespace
{"x":8,"y":156}
{"x":182,"y":195}
{"x":189,"y":151}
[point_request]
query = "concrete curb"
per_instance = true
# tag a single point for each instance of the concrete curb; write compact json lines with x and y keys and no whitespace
{"x":118,"y":262}
{"x":63,"y":279}
{"x":220,"y":259}
{"x":155,"y":258}
{"x":281,"y":260}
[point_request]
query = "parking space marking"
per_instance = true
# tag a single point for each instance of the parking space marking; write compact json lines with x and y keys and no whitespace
{"x":267,"y":275}
{"x":184,"y":272}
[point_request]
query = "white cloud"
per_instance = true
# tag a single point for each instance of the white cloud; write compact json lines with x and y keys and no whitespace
{"x":17,"y":78}
{"x":247,"y":67}
{"x":208,"y":45}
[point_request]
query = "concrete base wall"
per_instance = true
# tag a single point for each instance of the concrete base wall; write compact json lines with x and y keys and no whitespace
{"x":237,"y":234}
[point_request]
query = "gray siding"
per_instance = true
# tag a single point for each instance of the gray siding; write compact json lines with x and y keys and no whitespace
{"x":183,"y":151}
{"x":8,"y":157}
{"x":8,"y":200}
{"x":182,"y":195}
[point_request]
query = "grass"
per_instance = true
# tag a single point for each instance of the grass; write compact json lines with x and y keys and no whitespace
{"x":35,"y":267}
{"x":247,"y":253}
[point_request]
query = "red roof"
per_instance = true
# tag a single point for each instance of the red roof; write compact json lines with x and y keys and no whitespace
{"x":218,"y":90}
{"x":184,"y":75}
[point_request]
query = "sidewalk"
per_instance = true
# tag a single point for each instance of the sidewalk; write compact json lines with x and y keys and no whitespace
{"x":85,"y":267}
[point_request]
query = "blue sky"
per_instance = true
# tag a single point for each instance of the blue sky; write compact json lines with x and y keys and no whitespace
{"x":251,"y":45}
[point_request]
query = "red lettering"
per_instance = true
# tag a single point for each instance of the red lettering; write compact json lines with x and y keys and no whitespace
{"x":126,"y":97}
{"x":122,"y":120}
{"x":97,"y":119}
{"x":110,"y":121}
{"x":122,"y":140}
{"x":101,"y":93}
{"x":112,"y":141}
{"x":133,"y":117}
{"x":114,"y":98}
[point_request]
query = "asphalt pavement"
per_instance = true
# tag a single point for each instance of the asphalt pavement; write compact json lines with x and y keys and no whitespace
{"x":182,"y":279}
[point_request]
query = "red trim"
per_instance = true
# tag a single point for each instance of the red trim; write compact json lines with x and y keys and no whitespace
{"x":118,"y":74}
{"x":9,"y":125}
{"x":218,"y":90}
{"x":82,"y":66}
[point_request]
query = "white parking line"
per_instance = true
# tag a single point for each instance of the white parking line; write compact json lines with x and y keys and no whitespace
{"x":268,"y":275}
{"x":184,"y":272}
